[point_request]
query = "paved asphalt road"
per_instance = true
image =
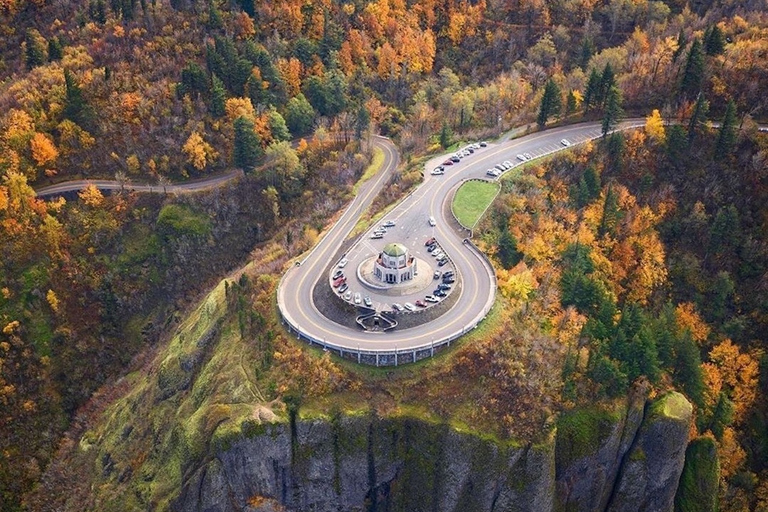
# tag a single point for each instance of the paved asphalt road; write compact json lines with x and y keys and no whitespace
{"x":189,"y":186}
{"x":478,"y":287}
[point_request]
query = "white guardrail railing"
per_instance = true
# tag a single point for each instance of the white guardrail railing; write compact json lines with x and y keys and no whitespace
{"x":393,"y":357}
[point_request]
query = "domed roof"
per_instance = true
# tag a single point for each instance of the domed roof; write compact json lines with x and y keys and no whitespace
{"x":395,"y":249}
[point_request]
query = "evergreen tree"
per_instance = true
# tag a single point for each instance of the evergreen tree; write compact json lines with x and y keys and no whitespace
{"x":215,"y":21}
{"x":570,"y":103}
{"x":676,"y":142}
{"x":55,"y":50}
{"x":714,"y":41}
{"x":591,"y":92}
{"x":693,"y":75}
{"x":682,"y":41}
{"x":551,"y":103}
{"x":698,"y":118}
{"x":726,"y":137}
{"x":587,"y":50}
{"x":97,"y":10}
{"x":217,"y":105}
{"x":688,"y":373}
{"x":607,"y":81}
{"x":247,"y":146}
{"x":193,"y":80}
{"x":592,"y":182}
{"x":37,"y":48}
{"x":362,"y":122}
{"x":722,"y":416}
{"x":613,"y":111}
{"x":508,"y":253}
{"x":75,"y":108}
{"x":611,"y":213}
{"x":277,"y":126}
{"x":299,"y":115}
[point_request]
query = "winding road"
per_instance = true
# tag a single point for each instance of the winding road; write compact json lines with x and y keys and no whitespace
{"x":477,"y":277}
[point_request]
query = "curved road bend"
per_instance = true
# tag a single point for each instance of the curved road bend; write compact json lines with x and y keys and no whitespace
{"x":190,"y":186}
{"x":295,"y":291}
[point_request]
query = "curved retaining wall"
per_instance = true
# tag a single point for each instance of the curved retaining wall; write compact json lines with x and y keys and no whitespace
{"x":387,"y":357}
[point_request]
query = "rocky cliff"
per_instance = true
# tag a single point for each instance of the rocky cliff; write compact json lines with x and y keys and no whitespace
{"x":630,"y":459}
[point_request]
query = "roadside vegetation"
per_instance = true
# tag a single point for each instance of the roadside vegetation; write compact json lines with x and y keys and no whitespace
{"x":472,"y":199}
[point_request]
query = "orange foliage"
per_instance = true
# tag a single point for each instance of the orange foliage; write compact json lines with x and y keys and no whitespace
{"x":688,"y":318}
{"x":290,"y":70}
{"x":740,"y":372}
{"x":91,"y":196}
{"x":43,"y":150}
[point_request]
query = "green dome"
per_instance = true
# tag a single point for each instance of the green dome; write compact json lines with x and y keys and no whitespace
{"x":394,"y":249}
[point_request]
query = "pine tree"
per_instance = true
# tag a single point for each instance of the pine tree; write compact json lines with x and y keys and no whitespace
{"x":299,"y":115}
{"x":613,"y":110}
{"x":215,"y":22}
{"x":688,"y":371}
{"x":55,"y":51}
{"x":607,"y":81}
{"x":698,"y":118}
{"x":247,"y":146}
{"x":445,"y":136}
{"x":551,"y":103}
{"x":682,"y":41}
{"x":611,"y":213}
{"x":727,"y":135}
{"x":592,"y":90}
{"x":217,"y":105}
{"x":714,"y":41}
{"x":37,"y":48}
{"x":693,"y":76}
{"x":587,"y":50}
{"x":570,"y":103}
{"x":75,"y":108}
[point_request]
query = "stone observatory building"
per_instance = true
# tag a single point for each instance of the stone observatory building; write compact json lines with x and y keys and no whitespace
{"x":394,"y":265}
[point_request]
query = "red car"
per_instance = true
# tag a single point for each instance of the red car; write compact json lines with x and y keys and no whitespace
{"x":338,"y":282}
{"x":421,"y":303}
{"x":430,"y":241}
{"x":447,"y":162}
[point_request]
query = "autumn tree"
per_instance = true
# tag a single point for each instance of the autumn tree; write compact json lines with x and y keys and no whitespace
{"x":44,"y":152}
{"x":75,"y":107}
{"x":654,"y":126}
{"x":198,"y":151}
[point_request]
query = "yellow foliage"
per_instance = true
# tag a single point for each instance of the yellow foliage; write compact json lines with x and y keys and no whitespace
{"x":654,"y":126}
{"x":291,"y":71}
{"x":11,"y":327}
{"x":237,"y":107}
{"x":730,"y":453}
{"x":133,"y":164}
{"x":198,"y":151}
{"x":43,"y":150}
{"x":91,"y":196}
{"x":740,"y":372}
{"x":688,"y":318}
{"x":53,"y":300}
{"x":713,"y":383}
{"x":516,"y":285}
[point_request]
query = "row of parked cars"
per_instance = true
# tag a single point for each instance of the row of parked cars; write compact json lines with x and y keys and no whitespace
{"x":497,"y":169}
{"x":381,"y":230}
{"x":456,"y":157}
{"x":434,"y":248}
{"x":448,"y":278}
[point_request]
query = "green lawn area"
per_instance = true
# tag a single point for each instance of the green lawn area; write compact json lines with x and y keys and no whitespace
{"x":472,"y":199}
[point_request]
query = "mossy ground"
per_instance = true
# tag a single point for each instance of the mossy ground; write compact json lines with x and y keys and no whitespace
{"x":580,"y":432}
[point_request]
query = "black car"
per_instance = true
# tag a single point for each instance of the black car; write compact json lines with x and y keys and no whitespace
{"x":449,"y":280}
{"x":444,"y":286}
{"x":441,"y":263}
{"x":448,"y":273}
{"x":455,"y":159}
{"x":431,"y":247}
{"x":439,"y":293}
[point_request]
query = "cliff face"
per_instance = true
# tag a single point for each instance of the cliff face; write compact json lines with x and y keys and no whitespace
{"x":632,"y":462}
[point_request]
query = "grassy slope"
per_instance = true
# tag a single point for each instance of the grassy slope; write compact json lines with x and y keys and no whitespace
{"x":471,"y":201}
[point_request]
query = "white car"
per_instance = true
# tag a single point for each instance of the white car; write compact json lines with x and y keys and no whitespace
{"x":432,"y":222}
{"x":432,"y":299}
{"x":409,"y":306}
{"x":437,"y":253}
{"x":507,"y":164}
{"x":493,"y":172}
{"x":565,"y":142}
{"x":527,"y":156}
{"x":348,"y":295}
{"x":389,"y":224}
{"x":521,"y":158}
{"x":437,"y":171}
{"x":397,"y":307}
{"x":367,"y":301}
{"x":358,"y":298}
{"x":343,"y":262}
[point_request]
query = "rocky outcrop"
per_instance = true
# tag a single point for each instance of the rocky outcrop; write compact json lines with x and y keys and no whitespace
{"x":626,"y":460}
{"x":591,"y":445}
{"x":699,"y":482}
{"x":651,"y":470}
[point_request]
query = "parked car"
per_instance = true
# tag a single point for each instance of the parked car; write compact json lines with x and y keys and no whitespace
{"x":521,"y":158}
{"x":431,"y":240}
{"x":421,"y":303}
{"x":493,"y":172}
{"x":442,"y":262}
{"x":447,"y":162}
{"x":389,"y":224}
{"x":431,"y":247}
{"x":409,"y":306}
{"x":367,"y":301}
{"x":437,"y":252}
{"x":343,"y":262}
{"x":338,"y":273}
{"x":339,"y":281}
{"x":565,"y":142}
{"x":449,"y":280}
{"x":436,"y":275}
{"x":444,"y":286}
{"x":483,"y":144}
{"x":439,"y":293}
{"x":527,"y":156}
{"x":508,"y":164}
{"x":431,"y":298}
{"x":455,"y":159}
{"x":377,"y":236}
{"x":448,"y":273}
{"x":397,"y":307}
{"x":358,"y":298}
{"x":344,"y":287}
{"x":432,"y":222}
{"x":437,"y":171}
{"x":348,"y":295}
{"x":499,"y":167}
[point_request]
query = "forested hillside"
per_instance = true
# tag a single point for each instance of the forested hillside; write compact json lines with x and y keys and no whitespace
{"x":653,"y":243}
